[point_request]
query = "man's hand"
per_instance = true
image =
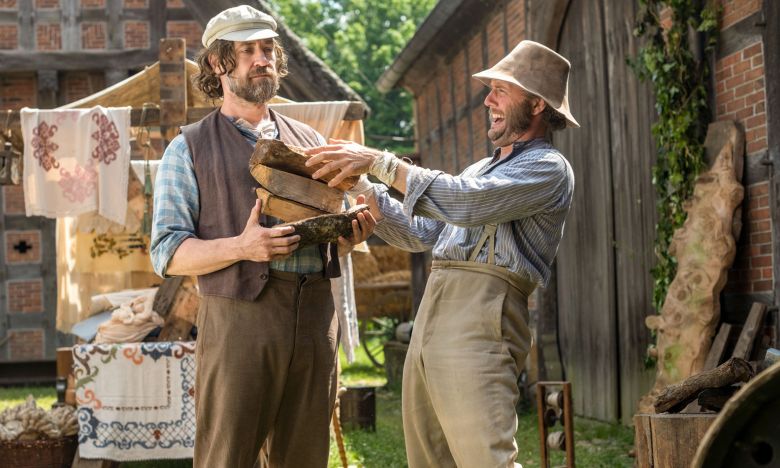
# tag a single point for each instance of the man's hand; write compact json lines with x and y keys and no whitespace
{"x":362,"y":228}
{"x":261,"y":244}
{"x":340,"y":155}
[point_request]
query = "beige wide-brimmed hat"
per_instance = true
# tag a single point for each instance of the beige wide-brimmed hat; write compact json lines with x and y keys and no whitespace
{"x":241,"y":23}
{"x":538,"y":70}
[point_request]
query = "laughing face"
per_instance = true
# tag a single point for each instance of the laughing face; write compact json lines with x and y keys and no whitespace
{"x":511,"y":112}
{"x":255,"y":78}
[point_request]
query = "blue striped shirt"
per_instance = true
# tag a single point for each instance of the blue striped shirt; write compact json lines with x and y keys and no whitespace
{"x":527,"y":194}
{"x":177,"y":209}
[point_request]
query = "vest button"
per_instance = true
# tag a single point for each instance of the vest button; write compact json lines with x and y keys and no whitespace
{"x":263,"y":277}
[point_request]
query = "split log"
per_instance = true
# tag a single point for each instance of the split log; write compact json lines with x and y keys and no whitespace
{"x":288,"y":158}
{"x":714,"y":399}
{"x":284,"y":209}
{"x":676,"y":397}
{"x":326,"y":228}
{"x":183,"y":313}
{"x":299,"y":189}
{"x":704,"y":248}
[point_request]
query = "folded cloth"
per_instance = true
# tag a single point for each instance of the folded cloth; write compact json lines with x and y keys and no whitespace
{"x":76,"y":161}
{"x":136,"y":401}
{"x":131,"y":322}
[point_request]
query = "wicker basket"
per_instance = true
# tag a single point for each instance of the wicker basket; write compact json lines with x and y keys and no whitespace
{"x":47,"y":453}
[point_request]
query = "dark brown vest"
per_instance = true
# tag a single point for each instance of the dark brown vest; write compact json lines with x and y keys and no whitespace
{"x":220,"y":155}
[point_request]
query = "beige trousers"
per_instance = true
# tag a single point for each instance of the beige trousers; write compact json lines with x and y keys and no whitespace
{"x":468,"y":347}
{"x":267,"y":369}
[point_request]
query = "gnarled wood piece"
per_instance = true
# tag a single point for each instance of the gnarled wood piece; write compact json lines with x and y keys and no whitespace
{"x":284,"y":209}
{"x":676,"y":397}
{"x":299,"y":189}
{"x":704,"y":248}
{"x":326,"y":228}
{"x":288,"y":158}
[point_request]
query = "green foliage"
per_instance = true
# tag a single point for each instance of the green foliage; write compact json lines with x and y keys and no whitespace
{"x":678,"y":80}
{"x":358,"y":39}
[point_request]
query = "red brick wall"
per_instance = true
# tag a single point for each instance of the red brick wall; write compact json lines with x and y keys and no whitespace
{"x":740,"y":95}
{"x":48,"y":36}
{"x":189,"y":30}
{"x":136,"y":34}
{"x":136,"y":4}
{"x":13,"y":242}
{"x":79,"y":84}
{"x":26,"y":344}
{"x":9,"y":36}
{"x":13,"y":200}
{"x":17,"y":90}
{"x":92,"y":3}
{"x":433,"y":140}
{"x":25,"y":296}
{"x":49,"y":4}
{"x":93,"y":36}
{"x":7,"y":4}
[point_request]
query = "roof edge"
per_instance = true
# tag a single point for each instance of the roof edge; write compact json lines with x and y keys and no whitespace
{"x":432,"y":24}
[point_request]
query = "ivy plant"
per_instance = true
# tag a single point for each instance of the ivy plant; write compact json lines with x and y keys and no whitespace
{"x":679,"y":81}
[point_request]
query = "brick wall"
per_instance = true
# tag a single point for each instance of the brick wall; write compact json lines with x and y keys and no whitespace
{"x":48,"y":36}
{"x":26,"y":344}
{"x":9,"y":36}
{"x":13,"y":200}
{"x":23,"y":246}
{"x":93,"y":36}
{"x":190,"y":31}
{"x":17,"y":90}
{"x":25,"y":296}
{"x":136,"y":34}
{"x":740,"y":95}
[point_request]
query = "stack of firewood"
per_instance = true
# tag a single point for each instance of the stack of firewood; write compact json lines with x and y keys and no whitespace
{"x":28,"y":421}
{"x":289,"y":193}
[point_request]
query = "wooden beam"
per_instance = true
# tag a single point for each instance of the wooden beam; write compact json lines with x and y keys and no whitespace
{"x":18,"y":60}
{"x":752,"y":327}
{"x":717,"y":348}
{"x":173,"y":87}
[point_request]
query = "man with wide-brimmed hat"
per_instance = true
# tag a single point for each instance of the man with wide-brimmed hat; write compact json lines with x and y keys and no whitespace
{"x":494,"y":230}
{"x":267,"y":328}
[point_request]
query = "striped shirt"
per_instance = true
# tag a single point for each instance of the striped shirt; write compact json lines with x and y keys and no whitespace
{"x":527,"y":194}
{"x":177,"y":209}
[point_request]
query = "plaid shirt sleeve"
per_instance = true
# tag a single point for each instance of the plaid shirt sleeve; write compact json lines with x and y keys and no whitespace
{"x":176,"y":204}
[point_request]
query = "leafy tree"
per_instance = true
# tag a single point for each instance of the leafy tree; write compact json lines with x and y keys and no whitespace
{"x":358,"y":39}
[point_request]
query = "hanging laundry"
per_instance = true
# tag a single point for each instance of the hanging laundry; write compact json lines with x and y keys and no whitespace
{"x":76,"y":161}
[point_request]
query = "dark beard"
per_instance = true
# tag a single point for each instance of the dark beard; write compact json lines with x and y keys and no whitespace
{"x":259,"y":93}
{"x":517,"y":120}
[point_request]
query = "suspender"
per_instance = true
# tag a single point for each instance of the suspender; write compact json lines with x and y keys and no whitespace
{"x":489,"y":232}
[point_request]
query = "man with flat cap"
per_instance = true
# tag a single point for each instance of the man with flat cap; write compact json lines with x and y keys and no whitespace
{"x":267,"y":332}
{"x":494,"y":230}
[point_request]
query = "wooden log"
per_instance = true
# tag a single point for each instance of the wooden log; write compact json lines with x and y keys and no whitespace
{"x":669,"y":440}
{"x":183,"y":314}
{"x":166,"y":293}
{"x":286,"y":210}
{"x":288,"y":158}
{"x":714,"y":399}
{"x":299,"y":189}
{"x":676,"y":397}
{"x":326,"y":228}
{"x":747,"y":337}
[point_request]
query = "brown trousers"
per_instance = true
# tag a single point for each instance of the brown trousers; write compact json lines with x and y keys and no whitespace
{"x":468,"y":347}
{"x":267,"y":369}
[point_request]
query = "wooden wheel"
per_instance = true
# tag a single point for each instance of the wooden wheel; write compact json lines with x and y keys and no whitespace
{"x":373,"y":335}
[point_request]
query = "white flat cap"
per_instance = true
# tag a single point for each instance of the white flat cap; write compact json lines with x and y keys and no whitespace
{"x":241,"y":23}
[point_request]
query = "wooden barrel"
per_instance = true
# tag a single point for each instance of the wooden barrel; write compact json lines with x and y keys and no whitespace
{"x":358,"y":408}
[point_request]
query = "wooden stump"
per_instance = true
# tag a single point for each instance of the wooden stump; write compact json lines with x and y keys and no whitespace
{"x":669,"y":440}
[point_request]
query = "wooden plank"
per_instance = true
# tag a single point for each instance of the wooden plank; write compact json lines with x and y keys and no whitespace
{"x":183,"y":313}
{"x":300,"y":189}
{"x":65,"y":60}
{"x":752,"y":327}
{"x":286,"y":210}
{"x":643,"y":441}
{"x":718,"y":347}
{"x":288,"y":158}
{"x":165,"y":295}
{"x":632,"y":157}
{"x":586,"y":258}
{"x":676,"y":437}
{"x":173,"y":87}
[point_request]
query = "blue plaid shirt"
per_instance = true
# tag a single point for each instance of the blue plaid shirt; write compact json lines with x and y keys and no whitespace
{"x":177,"y":209}
{"x":527,"y":194}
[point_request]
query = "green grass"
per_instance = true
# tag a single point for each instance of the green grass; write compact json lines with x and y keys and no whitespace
{"x":597,"y":444}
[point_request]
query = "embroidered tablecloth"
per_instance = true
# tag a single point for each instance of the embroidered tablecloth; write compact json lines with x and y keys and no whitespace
{"x":135,"y":400}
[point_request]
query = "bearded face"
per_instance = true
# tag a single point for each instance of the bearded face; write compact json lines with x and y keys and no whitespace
{"x":258,"y":86}
{"x":506,"y":127}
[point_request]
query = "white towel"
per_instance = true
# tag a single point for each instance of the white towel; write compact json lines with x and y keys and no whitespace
{"x":76,"y":161}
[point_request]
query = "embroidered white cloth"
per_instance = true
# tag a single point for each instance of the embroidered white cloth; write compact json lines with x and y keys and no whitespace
{"x":343,"y":290}
{"x":76,"y":161}
{"x":135,"y":401}
{"x":131,"y":322}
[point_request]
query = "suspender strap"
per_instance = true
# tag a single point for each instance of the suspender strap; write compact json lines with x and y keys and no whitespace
{"x":489,"y":232}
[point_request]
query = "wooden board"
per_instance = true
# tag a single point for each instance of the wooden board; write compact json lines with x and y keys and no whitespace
{"x":718,"y":347}
{"x":752,"y":327}
{"x":286,"y":210}
{"x":668,"y":440}
{"x":304,"y":190}
{"x":275,"y":154}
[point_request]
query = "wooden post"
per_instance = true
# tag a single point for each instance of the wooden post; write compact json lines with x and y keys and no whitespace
{"x":173,"y":87}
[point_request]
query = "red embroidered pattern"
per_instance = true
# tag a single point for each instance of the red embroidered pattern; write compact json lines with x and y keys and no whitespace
{"x":107,"y":137}
{"x":80,"y":185}
{"x":44,"y":147}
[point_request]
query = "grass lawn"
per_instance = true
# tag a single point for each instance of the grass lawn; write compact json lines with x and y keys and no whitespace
{"x":597,"y":444}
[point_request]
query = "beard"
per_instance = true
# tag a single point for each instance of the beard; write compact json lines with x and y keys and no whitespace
{"x":259,"y":92}
{"x":517,"y":119}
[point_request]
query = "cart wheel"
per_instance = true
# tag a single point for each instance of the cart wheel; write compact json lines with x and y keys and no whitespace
{"x":373,"y":334}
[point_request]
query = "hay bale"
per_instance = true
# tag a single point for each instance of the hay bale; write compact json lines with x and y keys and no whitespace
{"x":364,"y":266}
{"x":390,"y":258}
